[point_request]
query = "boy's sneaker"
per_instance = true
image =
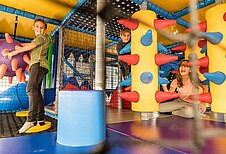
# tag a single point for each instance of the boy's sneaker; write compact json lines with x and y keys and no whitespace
{"x":26,"y":126}
{"x":41,"y":123}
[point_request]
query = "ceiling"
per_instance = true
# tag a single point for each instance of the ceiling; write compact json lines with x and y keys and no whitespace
{"x":84,"y":14}
{"x":47,"y":8}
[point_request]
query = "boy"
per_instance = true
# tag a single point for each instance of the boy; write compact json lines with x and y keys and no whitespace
{"x":125,"y":39}
{"x":38,"y":68}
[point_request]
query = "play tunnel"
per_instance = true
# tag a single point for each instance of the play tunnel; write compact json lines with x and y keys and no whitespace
{"x":15,"y":98}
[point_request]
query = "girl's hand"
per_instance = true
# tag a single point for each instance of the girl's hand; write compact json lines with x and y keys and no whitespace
{"x":164,"y":86}
{"x":202,"y":107}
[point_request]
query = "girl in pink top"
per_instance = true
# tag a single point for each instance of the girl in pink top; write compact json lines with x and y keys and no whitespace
{"x":186,"y":83}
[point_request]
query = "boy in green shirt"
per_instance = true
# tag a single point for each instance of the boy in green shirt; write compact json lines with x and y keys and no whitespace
{"x":38,"y":68}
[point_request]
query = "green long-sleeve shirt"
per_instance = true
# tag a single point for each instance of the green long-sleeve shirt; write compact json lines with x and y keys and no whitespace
{"x":40,"y":52}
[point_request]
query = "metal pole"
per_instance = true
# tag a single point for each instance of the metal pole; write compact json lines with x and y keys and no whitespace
{"x":198,"y":126}
{"x":60,"y":66}
{"x":119,"y":87}
{"x":217,"y":2}
{"x":100,"y":49}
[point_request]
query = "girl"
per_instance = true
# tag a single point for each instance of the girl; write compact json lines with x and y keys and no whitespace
{"x":186,"y":83}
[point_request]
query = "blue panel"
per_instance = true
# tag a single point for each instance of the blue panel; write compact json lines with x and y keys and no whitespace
{"x":49,"y":95}
{"x":14,"y":98}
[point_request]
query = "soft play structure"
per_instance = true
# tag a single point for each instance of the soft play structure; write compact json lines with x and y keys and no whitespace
{"x":114,"y":100}
{"x":145,"y":60}
{"x":71,"y":83}
{"x":17,"y":65}
{"x":210,"y":59}
{"x":14,"y":96}
{"x":216,"y":53}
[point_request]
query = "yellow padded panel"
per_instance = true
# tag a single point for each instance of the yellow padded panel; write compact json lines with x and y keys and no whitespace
{"x":38,"y":128}
{"x":22,"y":114}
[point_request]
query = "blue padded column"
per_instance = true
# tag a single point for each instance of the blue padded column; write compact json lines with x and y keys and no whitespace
{"x":81,"y":118}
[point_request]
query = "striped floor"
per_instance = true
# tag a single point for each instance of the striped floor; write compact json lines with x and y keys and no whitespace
{"x":10,"y":123}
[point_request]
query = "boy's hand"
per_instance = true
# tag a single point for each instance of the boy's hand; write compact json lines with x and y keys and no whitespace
{"x":9,"y":55}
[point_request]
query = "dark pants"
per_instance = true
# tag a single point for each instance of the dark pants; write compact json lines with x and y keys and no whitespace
{"x":36,"y":102}
{"x":125,"y":68}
